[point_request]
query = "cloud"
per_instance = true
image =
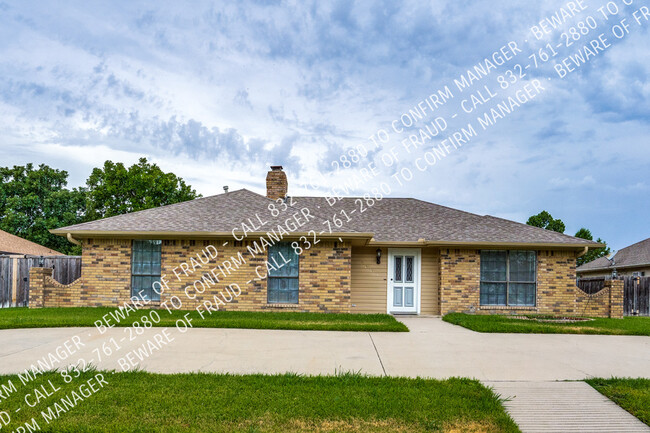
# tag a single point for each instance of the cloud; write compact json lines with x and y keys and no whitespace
{"x":226,"y":89}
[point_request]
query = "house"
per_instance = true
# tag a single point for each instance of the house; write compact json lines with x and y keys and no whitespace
{"x":244,"y":251}
{"x":630,"y":261}
{"x":11,"y":245}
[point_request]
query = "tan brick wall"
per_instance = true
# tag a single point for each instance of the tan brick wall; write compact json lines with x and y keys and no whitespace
{"x":105,"y":272}
{"x":556,"y":282}
{"x":595,"y":305}
{"x":616,"y":293}
{"x":460,"y":276}
{"x":557,"y":293}
{"x":325,"y":274}
{"x":606,"y":303}
{"x":37,"y":286}
{"x":46,"y":292}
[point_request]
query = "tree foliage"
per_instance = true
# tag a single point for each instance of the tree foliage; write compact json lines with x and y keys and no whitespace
{"x":546,"y":221}
{"x":116,"y":190}
{"x":33,"y":201}
{"x":594,"y":254}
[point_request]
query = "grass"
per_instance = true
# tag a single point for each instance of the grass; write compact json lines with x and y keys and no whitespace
{"x":11,"y":318}
{"x":197,"y":402}
{"x":505,"y":324}
{"x":633,"y":395}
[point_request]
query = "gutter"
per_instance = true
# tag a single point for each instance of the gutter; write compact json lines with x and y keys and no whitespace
{"x":369,"y":237}
{"x":71,"y":239}
{"x":207,"y":235}
{"x":457,"y":244}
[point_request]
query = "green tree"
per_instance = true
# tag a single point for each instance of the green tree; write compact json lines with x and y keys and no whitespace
{"x":546,"y":221}
{"x":592,"y":254}
{"x":115,"y":189}
{"x":32,"y":201}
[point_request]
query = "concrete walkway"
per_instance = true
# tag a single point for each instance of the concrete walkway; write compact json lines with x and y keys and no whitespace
{"x":563,"y":407}
{"x":433,"y":348}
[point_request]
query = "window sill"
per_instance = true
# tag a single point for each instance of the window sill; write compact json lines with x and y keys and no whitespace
{"x":506,"y":307}
{"x":281,"y":305}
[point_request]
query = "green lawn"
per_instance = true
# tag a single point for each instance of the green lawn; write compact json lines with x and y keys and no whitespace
{"x":496,"y":323}
{"x":633,"y":395}
{"x":145,"y":402}
{"x":66,"y":317}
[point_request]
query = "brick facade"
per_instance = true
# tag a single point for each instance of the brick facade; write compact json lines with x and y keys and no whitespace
{"x":556,"y":282}
{"x":324,"y":284}
{"x":460,"y":276}
{"x":557,"y":293}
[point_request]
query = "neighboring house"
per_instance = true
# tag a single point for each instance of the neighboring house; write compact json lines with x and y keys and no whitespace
{"x":11,"y":245}
{"x":359,"y":255}
{"x":630,"y":261}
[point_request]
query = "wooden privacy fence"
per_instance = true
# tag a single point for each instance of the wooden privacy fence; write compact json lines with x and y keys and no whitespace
{"x":14,"y":275}
{"x":591,"y":285}
{"x":636,"y":298}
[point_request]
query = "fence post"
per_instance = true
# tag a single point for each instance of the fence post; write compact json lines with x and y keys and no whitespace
{"x":616,"y":299}
{"x":14,"y":281}
{"x":37,"y":286}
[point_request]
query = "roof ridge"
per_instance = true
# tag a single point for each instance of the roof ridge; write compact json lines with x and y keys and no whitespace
{"x":538,"y":228}
{"x":165,"y":206}
{"x":321,"y":216}
{"x":633,"y":245}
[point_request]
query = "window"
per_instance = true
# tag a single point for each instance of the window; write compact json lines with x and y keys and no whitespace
{"x":508,"y":278}
{"x":145,"y":269}
{"x":282,"y":284}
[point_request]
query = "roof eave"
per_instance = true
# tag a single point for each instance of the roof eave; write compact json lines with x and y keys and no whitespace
{"x":81,"y":234}
{"x":421,"y":242}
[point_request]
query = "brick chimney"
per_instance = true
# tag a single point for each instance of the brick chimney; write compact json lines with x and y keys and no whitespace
{"x":276,"y":183}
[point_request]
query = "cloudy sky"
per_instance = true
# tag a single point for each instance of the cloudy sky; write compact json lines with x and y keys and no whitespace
{"x":218,"y":91}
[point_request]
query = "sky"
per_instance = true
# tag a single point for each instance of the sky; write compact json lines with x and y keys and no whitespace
{"x":219,"y":91}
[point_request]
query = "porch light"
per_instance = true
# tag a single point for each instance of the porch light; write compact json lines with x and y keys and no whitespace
{"x":378,"y":256}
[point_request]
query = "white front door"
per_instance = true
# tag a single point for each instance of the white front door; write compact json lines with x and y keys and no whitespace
{"x":403,"y":280}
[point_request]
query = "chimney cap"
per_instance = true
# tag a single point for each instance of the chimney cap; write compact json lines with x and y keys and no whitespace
{"x":276,"y":167}
{"x":225,"y":188}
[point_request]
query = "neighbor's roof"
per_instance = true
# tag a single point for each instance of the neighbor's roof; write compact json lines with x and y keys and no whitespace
{"x":16,"y":245}
{"x":388,"y":220}
{"x":634,"y":255}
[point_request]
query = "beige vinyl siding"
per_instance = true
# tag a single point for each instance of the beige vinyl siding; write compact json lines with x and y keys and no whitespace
{"x":430,"y":284}
{"x":369,"y":285}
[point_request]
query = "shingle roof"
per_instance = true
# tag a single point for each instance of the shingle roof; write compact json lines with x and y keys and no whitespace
{"x":16,"y":245}
{"x":215,"y":214}
{"x":409,"y":219}
{"x":635,"y":255}
{"x":599,"y":263}
{"x":388,"y":220}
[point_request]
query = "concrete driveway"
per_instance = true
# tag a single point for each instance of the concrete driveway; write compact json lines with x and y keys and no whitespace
{"x":433,"y":348}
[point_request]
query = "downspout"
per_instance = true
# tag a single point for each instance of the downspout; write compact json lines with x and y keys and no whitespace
{"x":579,"y":255}
{"x":73,"y":240}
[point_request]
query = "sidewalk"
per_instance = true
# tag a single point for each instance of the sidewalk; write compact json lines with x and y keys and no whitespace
{"x":564,"y":407}
{"x":433,"y":349}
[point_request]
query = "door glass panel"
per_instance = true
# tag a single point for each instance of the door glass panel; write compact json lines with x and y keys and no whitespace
{"x":398,"y":268}
{"x":408,"y":296}
{"x":397,"y":296}
{"x":409,"y":269}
